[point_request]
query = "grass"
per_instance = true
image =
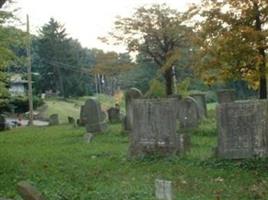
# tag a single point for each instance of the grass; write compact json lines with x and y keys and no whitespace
{"x":71,"y":107}
{"x":61,"y":165}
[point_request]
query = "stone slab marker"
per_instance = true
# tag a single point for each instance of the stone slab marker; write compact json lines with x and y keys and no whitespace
{"x":243,"y":129}
{"x":54,"y":120}
{"x":82,"y":118}
{"x":28,"y":192}
{"x":93,"y":115}
{"x":226,"y":96}
{"x":163,"y":189}
{"x":202,"y":104}
{"x":188,"y":113}
{"x":130,"y":95}
{"x":154,"y":128}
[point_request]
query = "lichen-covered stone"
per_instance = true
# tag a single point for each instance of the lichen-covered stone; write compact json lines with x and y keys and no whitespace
{"x":243,"y":129}
{"x":130,"y":95}
{"x":154,"y":127}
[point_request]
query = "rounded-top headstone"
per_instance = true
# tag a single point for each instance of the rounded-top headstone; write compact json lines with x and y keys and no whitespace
{"x":188,"y":113}
{"x":201,"y":100}
{"x":130,"y":95}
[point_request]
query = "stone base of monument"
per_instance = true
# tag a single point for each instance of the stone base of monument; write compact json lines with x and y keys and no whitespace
{"x":154,"y":128}
{"x":243,"y":129}
{"x":96,"y":128}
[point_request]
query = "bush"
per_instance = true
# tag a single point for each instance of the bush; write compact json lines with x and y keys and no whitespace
{"x":20,"y":104}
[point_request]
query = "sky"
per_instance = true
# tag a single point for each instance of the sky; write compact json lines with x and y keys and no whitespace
{"x":86,"y":20}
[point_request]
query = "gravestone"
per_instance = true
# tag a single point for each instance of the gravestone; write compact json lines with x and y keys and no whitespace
{"x":95,"y":118}
{"x":83,"y":117}
{"x":2,"y":123}
{"x":28,"y":192}
{"x":130,"y":95}
{"x":202,"y":104}
{"x":226,"y":96}
{"x":163,"y":189}
{"x":114,"y":115}
{"x":188,"y":113}
{"x":154,"y":128}
{"x":243,"y":129}
{"x":54,"y":120}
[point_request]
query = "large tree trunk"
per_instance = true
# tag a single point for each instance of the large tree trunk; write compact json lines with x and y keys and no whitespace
{"x":262,"y":69}
{"x":168,"y":78}
{"x":263,"y":79}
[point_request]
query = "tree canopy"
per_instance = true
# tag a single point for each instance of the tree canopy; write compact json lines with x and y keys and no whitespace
{"x":158,"y":33}
{"x":233,"y":41}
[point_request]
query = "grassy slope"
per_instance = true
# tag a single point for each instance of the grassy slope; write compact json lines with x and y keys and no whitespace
{"x":63,"y":167}
{"x":72,"y":106}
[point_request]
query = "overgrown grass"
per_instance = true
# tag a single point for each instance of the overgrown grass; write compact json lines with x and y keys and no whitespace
{"x":64,"y":167}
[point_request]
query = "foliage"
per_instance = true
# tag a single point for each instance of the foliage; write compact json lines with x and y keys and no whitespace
{"x":158,"y":33}
{"x":233,"y":41}
{"x":62,"y":63}
{"x":156,"y":89}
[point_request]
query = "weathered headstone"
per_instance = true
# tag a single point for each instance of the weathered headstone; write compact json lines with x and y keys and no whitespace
{"x":114,"y":115}
{"x":54,"y":120}
{"x":202,"y":104}
{"x":83,"y":116}
{"x":2,"y":123}
{"x":188,"y":113}
{"x":243,"y":129}
{"x":154,"y":128}
{"x":226,"y":96}
{"x":163,"y":189}
{"x":94,"y":117}
{"x":130,"y":95}
{"x":28,"y":192}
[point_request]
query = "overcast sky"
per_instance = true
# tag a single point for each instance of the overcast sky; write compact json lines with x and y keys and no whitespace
{"x":86,"y":20}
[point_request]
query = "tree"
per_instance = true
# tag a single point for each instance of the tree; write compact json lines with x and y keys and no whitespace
{"x":110,"y":65}
{"x":233,"y":41}
{"x":52,"y":44}
{"x":157,"y":32}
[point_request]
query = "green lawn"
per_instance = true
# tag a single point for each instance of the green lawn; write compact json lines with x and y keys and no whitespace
{"x":71,"y":107}
{"x":58,"y":162}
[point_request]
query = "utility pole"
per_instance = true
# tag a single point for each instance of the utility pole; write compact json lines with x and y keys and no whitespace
{"x":29,"y":70}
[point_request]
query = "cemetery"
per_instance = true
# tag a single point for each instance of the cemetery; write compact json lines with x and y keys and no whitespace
{"x":180,"y":114}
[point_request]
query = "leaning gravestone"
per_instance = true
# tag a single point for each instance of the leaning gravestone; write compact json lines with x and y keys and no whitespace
{"x":154,"y":128}
{"x":95,"y":118}
{"x":188,"y":113}
{"x":130,"y":95}
{"x":54,"y":120}
{"x":243,"y":129}
{"x":226,"y":96}
{"x":202,"y":105}
{"x":2,"y":123}
{"x":114,"y":115}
